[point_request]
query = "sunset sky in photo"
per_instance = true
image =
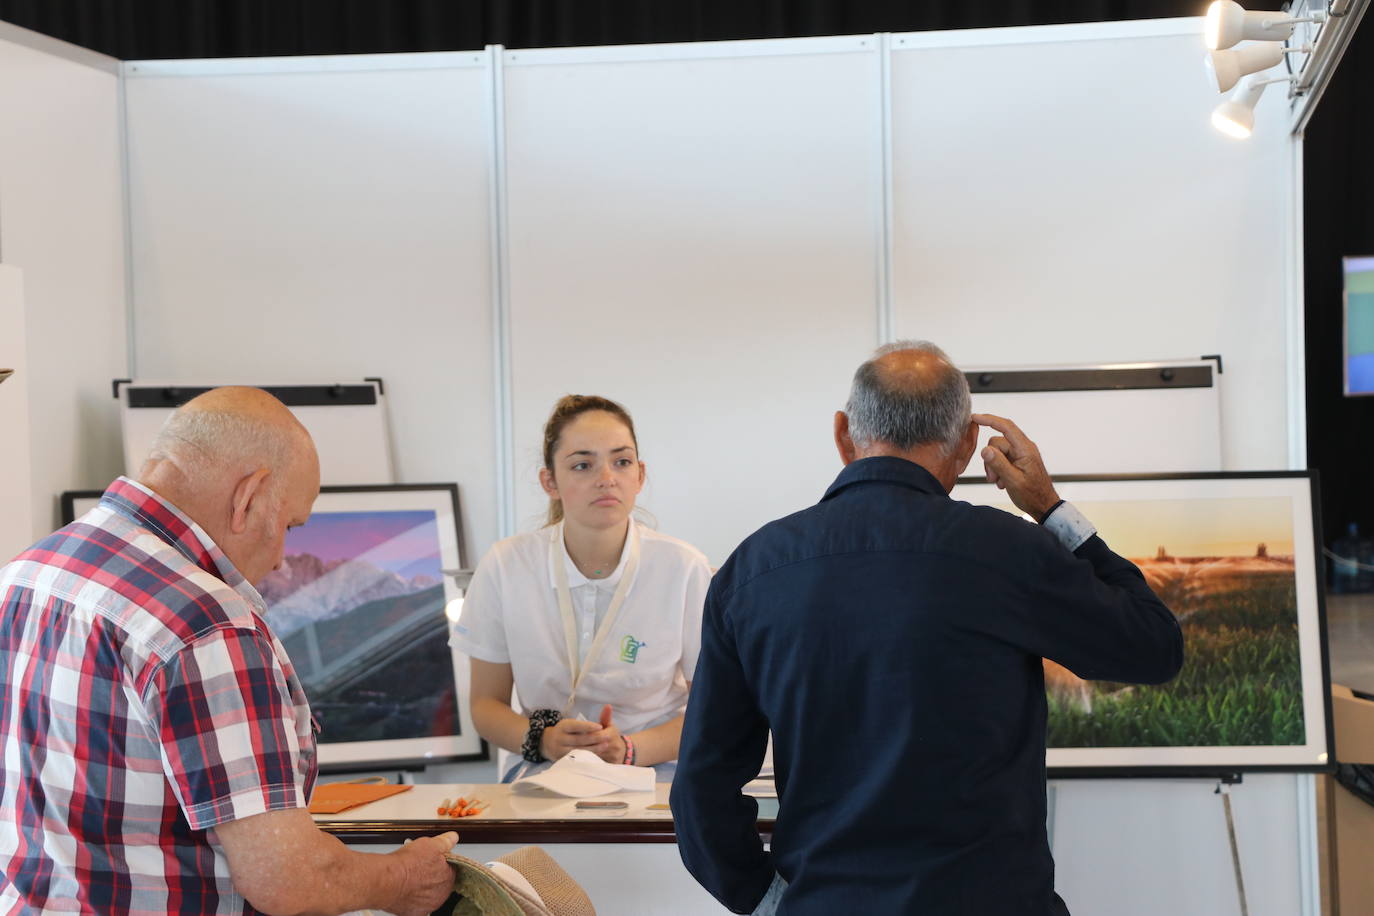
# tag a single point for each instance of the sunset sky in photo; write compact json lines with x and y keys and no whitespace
{"x":1191,"y":527}
{"x":403,"y":542}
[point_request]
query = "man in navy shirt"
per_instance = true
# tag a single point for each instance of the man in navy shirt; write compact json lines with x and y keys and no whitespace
{"x":892,"y":638}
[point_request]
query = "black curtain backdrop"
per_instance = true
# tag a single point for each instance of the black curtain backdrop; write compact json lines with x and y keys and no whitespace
{"x":1339,"y":150}
{"x":1338,"y":221}
{"x":146,"y":29}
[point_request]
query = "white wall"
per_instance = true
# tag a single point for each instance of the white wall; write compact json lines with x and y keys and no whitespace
{"x":324,"y":220}
{"x":1061,"y":197}
{"x":1145,"y":847}
{"x":62,"y":223}
{"x":16,"y":469}
{"x":693,"y":232}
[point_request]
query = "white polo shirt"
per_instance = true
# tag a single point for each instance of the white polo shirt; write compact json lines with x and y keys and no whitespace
{"x":510,"y":615}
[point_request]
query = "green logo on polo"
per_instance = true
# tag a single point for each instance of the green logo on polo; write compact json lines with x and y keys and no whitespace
{"x":629,"y":649}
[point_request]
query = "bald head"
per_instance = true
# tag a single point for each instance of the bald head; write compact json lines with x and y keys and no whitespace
{"x":229,"y":431}
{"x":908,"y":395}
{"x":240,"y":464}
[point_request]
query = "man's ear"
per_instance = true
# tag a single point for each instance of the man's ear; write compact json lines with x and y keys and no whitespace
{"x":246,"y":491}
{"x":843,"y":443}
{"x":967,"y":446}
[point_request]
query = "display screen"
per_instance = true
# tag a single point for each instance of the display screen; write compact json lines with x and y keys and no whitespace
{"x":1359,"y":326}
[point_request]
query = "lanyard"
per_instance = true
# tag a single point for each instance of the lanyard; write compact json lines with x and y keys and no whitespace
{"x":560,"y":572}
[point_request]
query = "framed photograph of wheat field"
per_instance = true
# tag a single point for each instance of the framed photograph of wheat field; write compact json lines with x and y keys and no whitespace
{"x":1235,"y":557}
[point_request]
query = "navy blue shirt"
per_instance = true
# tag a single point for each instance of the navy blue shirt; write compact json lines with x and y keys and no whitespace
{"x":892,"y":639}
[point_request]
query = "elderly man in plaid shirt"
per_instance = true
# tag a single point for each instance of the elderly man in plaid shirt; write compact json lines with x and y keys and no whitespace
{"x":158,"y":749}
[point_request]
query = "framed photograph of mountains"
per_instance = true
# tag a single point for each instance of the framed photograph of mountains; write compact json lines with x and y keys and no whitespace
{"x":360,"y":604}
{"x":1235,"y":557}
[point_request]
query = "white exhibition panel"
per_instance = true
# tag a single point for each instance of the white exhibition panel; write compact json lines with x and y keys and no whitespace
{"x":1119,"y":848}
{"x":693,"y":231}
{"x":312,"y":218}
{"x":62,"y":224}
{"x":1060,"y":196}
{"x":16,"y":467}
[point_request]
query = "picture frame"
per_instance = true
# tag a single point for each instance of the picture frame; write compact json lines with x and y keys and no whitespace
{"x":360,"y":603}
{"x":1235,"y":556}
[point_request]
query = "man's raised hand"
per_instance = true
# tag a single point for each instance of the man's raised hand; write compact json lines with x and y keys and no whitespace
{"x":1012,"y":462}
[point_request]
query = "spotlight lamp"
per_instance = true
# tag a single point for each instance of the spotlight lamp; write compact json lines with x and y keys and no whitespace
{"x":1228,"y":22}
{"x":1227,"y":67}
{"x":1235,"y":117}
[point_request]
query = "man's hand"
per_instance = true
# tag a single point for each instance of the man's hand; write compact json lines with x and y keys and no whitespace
{"x":280,"y":862}
{"x":572,"y":734}
{"x":1012,"y":461}
{"x":426,"y":877}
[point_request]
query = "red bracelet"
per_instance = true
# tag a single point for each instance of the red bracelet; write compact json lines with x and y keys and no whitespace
{"x":629,"y":760}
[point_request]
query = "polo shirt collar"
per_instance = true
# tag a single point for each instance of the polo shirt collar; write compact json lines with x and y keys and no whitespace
{"x":886,"y":469}
{"x":147,"y":509}
{"x":575,"y":577}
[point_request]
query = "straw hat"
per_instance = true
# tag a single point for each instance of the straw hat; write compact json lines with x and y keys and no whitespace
{"x":483,"y":891}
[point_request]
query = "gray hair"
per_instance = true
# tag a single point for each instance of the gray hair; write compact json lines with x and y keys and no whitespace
{"x":208,"y":443}
{"x":903,"y":413}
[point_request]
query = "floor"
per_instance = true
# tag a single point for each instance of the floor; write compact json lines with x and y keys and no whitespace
{"x":1350,"y":640}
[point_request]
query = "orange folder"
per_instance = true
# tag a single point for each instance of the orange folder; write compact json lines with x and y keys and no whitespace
{"x":333,"y":797}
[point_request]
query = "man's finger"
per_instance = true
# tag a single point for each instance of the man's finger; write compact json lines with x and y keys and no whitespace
{"x":997,"y":463}
{"x":1004,"y":426}
{"x":1001,"y":444}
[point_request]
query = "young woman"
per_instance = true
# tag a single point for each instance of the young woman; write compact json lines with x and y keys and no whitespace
{"x":595,"y":620}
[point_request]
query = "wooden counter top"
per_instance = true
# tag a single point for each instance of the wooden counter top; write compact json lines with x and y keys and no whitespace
{"x":515,"y":816}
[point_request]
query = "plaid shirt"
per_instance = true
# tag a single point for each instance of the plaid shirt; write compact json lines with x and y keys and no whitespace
{"x":145,"y":701}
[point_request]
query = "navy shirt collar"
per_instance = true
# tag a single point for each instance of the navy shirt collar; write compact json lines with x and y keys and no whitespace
{"x":885,"y":469}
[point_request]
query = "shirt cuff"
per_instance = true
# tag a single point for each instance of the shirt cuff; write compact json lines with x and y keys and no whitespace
{"x":1070,"y":526}
{"x":769,"y":904}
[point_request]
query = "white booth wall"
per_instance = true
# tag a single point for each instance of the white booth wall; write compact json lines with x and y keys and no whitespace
{"x":324,"y":220}
{"x":717,"y":234}
{"x":62,"y":224}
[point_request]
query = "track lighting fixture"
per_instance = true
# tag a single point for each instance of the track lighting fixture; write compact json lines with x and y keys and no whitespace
{"x":1228,"y":22}
{"x":1227,"y":67}
{"x":1235,"y":117}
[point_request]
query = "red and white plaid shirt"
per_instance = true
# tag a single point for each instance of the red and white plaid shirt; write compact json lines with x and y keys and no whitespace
{"x":145,"y":701}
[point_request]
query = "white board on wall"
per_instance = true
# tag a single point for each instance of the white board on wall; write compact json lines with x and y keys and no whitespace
{"x":1147,"y":418}
{"x":348,"y":422}
{"x":693,"y":232}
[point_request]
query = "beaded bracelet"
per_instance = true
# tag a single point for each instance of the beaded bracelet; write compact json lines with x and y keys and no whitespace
{"x":629,"y":751}
{"x":540,"y":719}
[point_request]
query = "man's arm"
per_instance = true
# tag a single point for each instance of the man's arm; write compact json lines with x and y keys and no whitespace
{"x":1107,"y":624}
{"x":281,"y":863}
{"x":724,"y":737}
{"x":228,"y":729}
